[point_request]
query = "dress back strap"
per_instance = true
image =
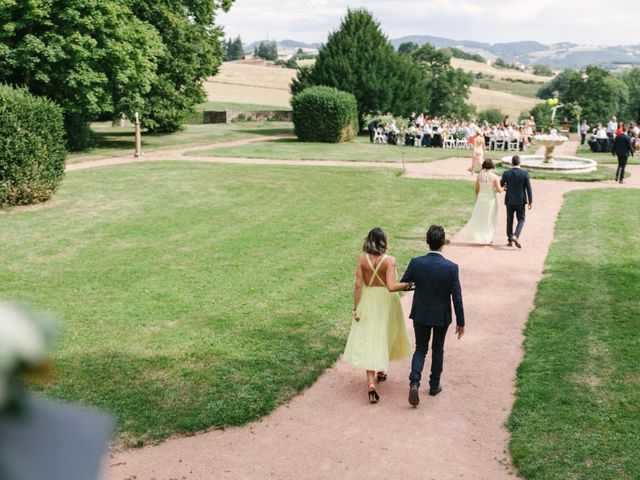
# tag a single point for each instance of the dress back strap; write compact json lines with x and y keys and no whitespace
{"x":375,"y":269}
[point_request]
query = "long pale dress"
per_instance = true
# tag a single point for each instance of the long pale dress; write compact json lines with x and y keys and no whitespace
{"x":484,"y":217}
{"x":477,"y":157}
{"x":380,"y":334}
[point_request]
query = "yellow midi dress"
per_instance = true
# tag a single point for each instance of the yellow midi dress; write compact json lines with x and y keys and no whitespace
{"x":380,"y":333}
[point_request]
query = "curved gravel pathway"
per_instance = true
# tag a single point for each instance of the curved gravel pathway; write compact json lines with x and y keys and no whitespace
{"x":330,"y":431}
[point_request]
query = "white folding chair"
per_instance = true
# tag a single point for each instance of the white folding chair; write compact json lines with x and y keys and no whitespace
{"x":450,"y":142}
{"x":379,"y":137}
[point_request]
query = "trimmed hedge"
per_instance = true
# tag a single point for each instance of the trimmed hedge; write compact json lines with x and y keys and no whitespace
{"x":32,"y":147}
{"x":325,"y":114}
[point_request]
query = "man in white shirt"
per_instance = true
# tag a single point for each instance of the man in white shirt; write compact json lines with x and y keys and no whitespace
{"x":612,"y":126}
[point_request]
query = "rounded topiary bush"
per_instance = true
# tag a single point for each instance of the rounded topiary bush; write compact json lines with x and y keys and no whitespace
{"x":32,"y":147}
{"x":325,"y":114}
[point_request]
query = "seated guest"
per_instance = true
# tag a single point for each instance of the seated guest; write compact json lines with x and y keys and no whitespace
{"x":593,"y":144}
{"x":410,"y":135}
{"x":603,"y":139}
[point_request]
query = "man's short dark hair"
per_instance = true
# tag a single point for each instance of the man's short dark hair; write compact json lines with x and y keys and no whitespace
{"x":435,"y":237}
{"x":515,"y":161}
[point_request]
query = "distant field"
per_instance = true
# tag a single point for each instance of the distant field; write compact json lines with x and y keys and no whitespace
{"x":239,"y":107}
{"x":509,"y":103}
{"x":253,"y":84}
{"x":528,"y":90}
{"x":477,"y":67}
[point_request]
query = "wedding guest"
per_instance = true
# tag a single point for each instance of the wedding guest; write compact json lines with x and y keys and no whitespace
{"x":612,"y":126}
{"x":378,"y":333}
{"x":484,"y":218}
{"x":621,"y":129}
{"x":584,"y":128}
{"x":622,"y":148}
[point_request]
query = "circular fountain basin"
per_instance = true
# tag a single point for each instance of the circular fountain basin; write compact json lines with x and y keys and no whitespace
{"x":560,"y":164}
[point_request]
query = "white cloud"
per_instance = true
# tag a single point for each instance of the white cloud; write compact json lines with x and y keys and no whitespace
{"x":547,"y":21}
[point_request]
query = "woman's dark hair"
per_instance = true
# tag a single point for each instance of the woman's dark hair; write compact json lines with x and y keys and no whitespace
{"x":435,"y":237}
{"x":376,"y":242}
{"x":487,"y":164}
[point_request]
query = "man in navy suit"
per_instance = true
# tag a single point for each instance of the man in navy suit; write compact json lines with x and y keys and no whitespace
{"x":622,"y":148}
{"x":436,"y":282}
{"x":518,"y":195}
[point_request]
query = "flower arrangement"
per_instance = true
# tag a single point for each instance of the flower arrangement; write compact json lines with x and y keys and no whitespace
{"x":25,"y":340}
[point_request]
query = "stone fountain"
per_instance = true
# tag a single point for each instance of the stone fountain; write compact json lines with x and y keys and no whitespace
{"x":550,"y":162}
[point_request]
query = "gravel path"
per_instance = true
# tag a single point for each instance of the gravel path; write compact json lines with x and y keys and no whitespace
{"x":330,"y":431}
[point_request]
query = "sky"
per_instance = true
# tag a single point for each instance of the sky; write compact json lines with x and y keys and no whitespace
{"x":593,"y":22}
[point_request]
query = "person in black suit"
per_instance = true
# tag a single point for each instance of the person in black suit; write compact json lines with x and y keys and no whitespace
{"x":622,"y":148}
{"x":373,"y":125}
{"x":518,"y":195}
{"x":437,"y":282}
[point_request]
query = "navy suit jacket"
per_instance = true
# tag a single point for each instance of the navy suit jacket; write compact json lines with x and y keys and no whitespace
{"x":622,"y":146}
{"x":437,"y":283}
{"x":518,"y":187}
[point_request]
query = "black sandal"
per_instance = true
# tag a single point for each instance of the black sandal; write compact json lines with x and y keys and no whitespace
{"x":381,"y":376}
{"x":373,"y":395}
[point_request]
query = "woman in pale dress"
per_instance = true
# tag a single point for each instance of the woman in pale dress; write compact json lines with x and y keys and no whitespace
{"x":484,"y":217}
{"x":479,"y":149}
{"x":378,"y":332}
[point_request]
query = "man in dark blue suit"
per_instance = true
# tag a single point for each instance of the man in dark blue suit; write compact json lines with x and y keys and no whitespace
{"x":518,"y":195}
{"x":436,"y":282}
{"x":622,"y":148}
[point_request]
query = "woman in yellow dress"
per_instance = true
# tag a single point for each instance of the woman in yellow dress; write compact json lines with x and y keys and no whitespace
{"x":378,"y":332}
{"x":479,"y":149}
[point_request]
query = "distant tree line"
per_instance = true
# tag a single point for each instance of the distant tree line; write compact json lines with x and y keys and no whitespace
{"x":358,"y":58}
{"x":100,"y":59}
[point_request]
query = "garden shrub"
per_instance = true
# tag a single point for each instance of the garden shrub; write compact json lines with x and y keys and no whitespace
{"x":325,"y":114}
{"x":492,"y":116}
{"x":32,"y":147}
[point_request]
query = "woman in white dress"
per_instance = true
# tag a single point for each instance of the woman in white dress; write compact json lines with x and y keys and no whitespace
{"x":479,"y":149}
{"x":484,"y":217}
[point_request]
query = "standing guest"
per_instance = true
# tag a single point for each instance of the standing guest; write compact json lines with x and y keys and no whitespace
{"x":373,"y":124}
{"x":437,"y":283}
{"x":378,"y":333}
{"x":532,"y":123}
{"x":620,"y":129}
{"x":584,"y":128}
{"x":612,"y":126}
{"x":484,"y":218}
{"x":622,"y":148}
{"x":479,"y":150}
{"x":518,"y":195}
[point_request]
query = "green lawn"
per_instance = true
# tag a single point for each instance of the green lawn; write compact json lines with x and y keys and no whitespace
{"x":357,"y":151}
{"x":116,"y":141}
{"x":577,"y":413}
{"x":197,"y":295}
{"x":603,"y":158}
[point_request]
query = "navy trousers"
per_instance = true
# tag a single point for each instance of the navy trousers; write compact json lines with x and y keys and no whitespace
{"x":423,"y":335}
{"x":519,"y":211}
{"x":622,"y":163}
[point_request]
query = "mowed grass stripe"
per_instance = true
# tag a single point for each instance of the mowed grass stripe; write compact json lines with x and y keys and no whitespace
{"x":577,"y":415}
{"x":198,"y":295}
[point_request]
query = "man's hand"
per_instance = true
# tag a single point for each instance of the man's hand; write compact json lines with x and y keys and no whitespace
{"x":459,"y":331}
{"x":530,"y":206}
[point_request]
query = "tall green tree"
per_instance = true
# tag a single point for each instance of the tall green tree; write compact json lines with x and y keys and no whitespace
{"x":193,"y":52}
{"x":601,"y":95}
{"x":408,"y":47}
{"x":563,"y":85}
{"x":449,"y":87}
{"x":631,"y":78}
{"x":267,"y":51}
{"x":358,"y":58}
{"x":91,"y":57}
{"x":233,"y":49}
